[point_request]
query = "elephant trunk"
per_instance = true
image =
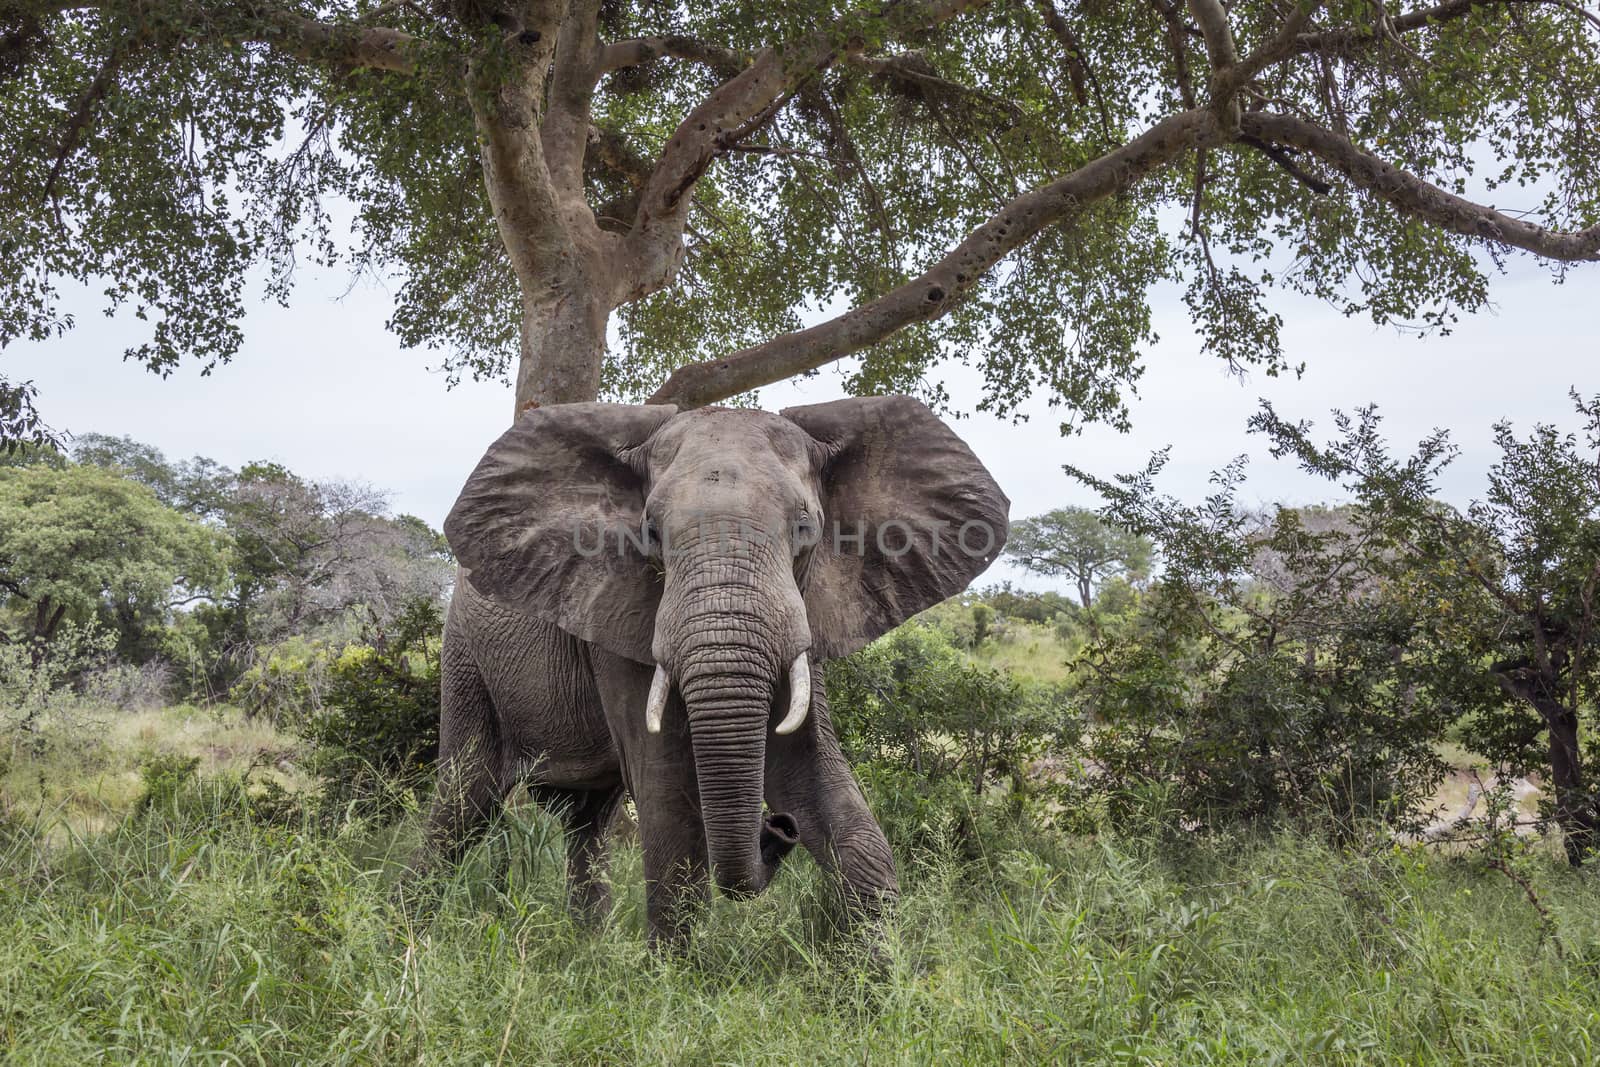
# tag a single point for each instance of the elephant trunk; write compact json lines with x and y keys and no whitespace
{"x":729,"y":716}
{"x":731,"y":625}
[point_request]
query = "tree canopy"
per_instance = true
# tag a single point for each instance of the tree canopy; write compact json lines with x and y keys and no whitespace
{"x":1000,"y":183}
{"x":82,"y":544}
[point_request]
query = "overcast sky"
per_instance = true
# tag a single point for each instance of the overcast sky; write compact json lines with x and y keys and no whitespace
{"x":325,"y":390}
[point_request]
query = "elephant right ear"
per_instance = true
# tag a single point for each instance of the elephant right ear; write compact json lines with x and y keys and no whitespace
{"x":538,"y":525}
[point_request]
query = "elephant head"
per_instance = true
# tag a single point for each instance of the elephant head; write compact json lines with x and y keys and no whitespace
{"x":730,"y":549}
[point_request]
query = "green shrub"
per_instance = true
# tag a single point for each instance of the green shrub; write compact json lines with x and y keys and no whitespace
{"x":375,"y":737}
{"x":925,"y":726}
{"x":41,"y":683}
{"x":954,"y":620}
{"x":1012,"y":603}
{"x":164,"y":777}
{"x":1233,"y":731}
{"x":1065,"y":627}
{"x":982,"y":616}
{"x":286,"y":682}
{"x":176,"y":793}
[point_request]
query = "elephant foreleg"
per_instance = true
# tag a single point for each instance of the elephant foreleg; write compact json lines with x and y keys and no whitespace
{"x":808,"y":777}
{"x":658,"y":772}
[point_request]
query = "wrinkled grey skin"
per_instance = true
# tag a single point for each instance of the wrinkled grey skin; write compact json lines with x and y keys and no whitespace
{"x":550,"y":646}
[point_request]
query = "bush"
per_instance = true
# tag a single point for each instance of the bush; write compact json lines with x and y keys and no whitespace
{"x":42,"y":680}
{"x":982,"y":616}
{"x":1012,"y":603}
{"x":286,"y":682}
{"x":954,"y":620}
{"x":925,"y":726}
{"x":164,"y":778}
{"x":130,"y":687}
{"x":174,"y":792}
{"x":375,"y":735}
{"x":1234,"y":731}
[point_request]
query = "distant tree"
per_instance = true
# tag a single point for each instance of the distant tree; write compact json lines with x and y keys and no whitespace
{"x":1508,"y":590}
{"x":83,"y":544}
{"x":28,"y":455}
{"x":303,"y":553}
{"x":1013,"y":603}
{"x":423,"y":539}
{"x":1078,"y":544}
{"x":307,"y":552}
{"x":199,"y":486}
{"x":1001,"y":182}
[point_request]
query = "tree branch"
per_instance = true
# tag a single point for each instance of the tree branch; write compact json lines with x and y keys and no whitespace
{"x":1212,"y":19}
{"x":724,"y":62}
{"x":337,"y":44}
{"x":504,"y":90}
{"x":1340,"y":41}
{"x":847,"y":160}
{"x":575,"y":69}
{"x":372,"y":47}
{"x":1287,"y":164}
{"x":654,"y":246}
{"x":1231,"y":79}
{"x":937,"y":290}
{"x":1078,"y":70}
{"x":83,"y":117}
{"x":1418,"y":198}
{"x":1178,"y":48}
{"x":1345,"y":41}
{"x":612,"y":152}
{"x":911,"y":71}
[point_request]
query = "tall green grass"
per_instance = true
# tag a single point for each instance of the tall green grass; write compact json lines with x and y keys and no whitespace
{"x":1031,"y":652}
{"x":201,"y":930}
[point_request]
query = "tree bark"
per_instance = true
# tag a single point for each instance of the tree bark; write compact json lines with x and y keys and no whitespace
{"x":532,"y":171}
{"x":47,"y":616}
{"x":563,"y":341}
{"x":1575,"y":809}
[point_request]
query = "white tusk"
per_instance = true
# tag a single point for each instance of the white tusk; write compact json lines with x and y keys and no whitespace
{"x":660,"y":685}
{"x":799,"y":695}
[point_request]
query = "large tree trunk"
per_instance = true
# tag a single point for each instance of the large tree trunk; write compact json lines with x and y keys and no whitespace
{"x":533,"y":143}
{"x":563,"y":339}
{"x":1575,"y":809}
{"x":47,"y":616}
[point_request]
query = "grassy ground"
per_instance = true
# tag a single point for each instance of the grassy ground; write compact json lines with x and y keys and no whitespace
{"x":90,"y":775}
{"x":197,"y":930}
{"x":1028,"y":650}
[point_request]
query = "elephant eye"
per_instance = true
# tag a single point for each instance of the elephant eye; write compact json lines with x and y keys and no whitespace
{"x":805,"y":531}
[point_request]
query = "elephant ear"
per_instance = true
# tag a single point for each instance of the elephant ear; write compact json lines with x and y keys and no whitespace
{"x":538,"y":524}
{"x":910,"y":517}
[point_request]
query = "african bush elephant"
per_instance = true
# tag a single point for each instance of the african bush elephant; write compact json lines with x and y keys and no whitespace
{"x":645,"y":595}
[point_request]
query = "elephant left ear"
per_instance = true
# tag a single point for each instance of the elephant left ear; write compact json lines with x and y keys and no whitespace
{"x":537,"y":524}
{"x":911,"y":516}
